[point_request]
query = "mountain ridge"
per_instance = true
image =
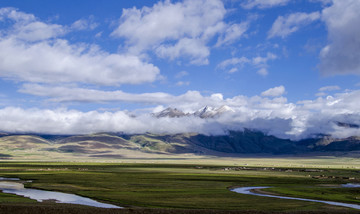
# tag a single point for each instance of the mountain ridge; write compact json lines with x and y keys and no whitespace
{"x":120,"y":145}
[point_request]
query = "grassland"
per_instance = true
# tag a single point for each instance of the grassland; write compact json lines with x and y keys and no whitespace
{"x":155,"y":186}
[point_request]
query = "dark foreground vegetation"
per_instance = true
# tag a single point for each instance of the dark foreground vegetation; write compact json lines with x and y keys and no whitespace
{"x":70,"y":209}
{"x":179,"y":188}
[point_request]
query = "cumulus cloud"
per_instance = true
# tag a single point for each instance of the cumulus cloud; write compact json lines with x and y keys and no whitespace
{"x":194,"y":49}
{"x":341,"y":55}
{"x":181,"y":29}
{"x":26,"y":27}
{"x":274,"y":92}
{"x":262,"y":4}
{"x":13,"y":14}
{"x":286,"y":25}
{"x":32,"y":52}
{"x":172,"y":29}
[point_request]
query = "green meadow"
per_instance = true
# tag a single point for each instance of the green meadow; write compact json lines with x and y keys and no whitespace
{"x":153,"y":186}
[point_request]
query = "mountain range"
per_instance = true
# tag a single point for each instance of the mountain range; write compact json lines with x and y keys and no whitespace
{"x":112,"y":145}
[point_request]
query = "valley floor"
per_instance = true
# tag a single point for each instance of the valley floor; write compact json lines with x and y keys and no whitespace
{"x":187,"y":186}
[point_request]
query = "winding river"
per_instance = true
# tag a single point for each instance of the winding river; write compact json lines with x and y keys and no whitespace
{"x":8,"y":185}
{"x":14,"y":186}
{"x":248,"y":191}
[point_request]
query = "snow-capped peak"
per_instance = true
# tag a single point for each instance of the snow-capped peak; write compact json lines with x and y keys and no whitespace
{"x":205,"y":112}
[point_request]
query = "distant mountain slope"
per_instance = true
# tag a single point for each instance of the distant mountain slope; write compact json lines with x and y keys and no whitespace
{"x":107,"y":145}
{"x":328,"y":144}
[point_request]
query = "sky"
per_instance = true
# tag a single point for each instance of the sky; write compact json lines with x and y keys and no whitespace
{"x":289,"y":68}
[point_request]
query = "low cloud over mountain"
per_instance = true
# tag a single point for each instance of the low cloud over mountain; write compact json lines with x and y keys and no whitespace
{"x":337,"y":115}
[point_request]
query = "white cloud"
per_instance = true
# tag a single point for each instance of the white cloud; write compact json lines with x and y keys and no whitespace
{"x":98,"y":35}
{"x":191,"y":48}
{"x":181,"y":74}
{"x":259,"y":62}
{"x":341,"y":55}
{"x":27,"y":27}
{"x":320,"y":94}
{"x":330,"y":88}
{"x":235,"y":61}
{"x":263,"y":72}
{"x":262,"y":4}
{"x":59,"y":61}
{"x":233,"y":70}
{"x":233,"y":32}
{"x":63,"y":121}
{"x":13,"y":14}
{"x":36,"y":31}
{"x":263,"y":60}
{"x":31,"y":52}
{"x":178,"y":30}
{"x":274,"y":92}
{"x":165,"y":20}
{"x":183,"y":83}
{"x":286,"y":25}
{"x":85,"y":24}
{"x":66,"y":94}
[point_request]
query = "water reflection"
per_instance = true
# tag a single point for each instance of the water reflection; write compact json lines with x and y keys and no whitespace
{"x":41,"y":195}
{"x":350,"y":185}
{"x":248,"y":191}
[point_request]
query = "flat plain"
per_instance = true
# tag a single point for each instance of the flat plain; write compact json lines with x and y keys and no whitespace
{"x":188,"y":185}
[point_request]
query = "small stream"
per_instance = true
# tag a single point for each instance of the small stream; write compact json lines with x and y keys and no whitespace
{"x":248,"y":191}
{"x":8,"y":185}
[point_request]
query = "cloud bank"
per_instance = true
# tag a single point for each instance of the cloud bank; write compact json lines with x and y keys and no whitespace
{"x":275,"y":116}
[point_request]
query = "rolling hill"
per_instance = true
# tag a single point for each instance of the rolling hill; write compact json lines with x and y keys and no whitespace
{"x":111,"y":145}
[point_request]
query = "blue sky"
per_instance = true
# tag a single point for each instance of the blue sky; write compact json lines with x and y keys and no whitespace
{"x":280,"y":60}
